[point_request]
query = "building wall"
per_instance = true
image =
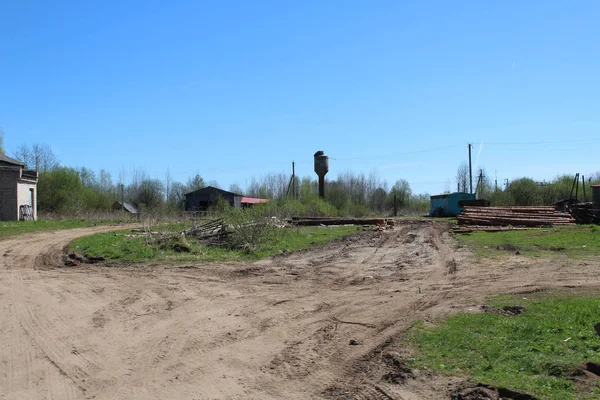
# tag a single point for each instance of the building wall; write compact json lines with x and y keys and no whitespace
{"x":24,"y":196}
{"x":9,"y":211}
{"x":202,"y":199}
{"x":449,"y":203}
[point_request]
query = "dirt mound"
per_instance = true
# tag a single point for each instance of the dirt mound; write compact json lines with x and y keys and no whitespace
{"x":504,"y":310}
{"x":485,"y":392}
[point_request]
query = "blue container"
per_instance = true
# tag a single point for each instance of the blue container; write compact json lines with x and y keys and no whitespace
{"x":446,"y":205}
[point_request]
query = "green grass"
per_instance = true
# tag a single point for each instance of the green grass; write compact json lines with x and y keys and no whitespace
{"x":576,"y":240}
{"x":15,"y":228}
{"x":536,"y":351}
{"x":120,"y":246}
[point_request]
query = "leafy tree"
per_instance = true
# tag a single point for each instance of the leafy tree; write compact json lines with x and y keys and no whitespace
{"x":150,"y":193}
{"x":2,"y":142}
{"x":177,"y":196}
{"x":59,"y":190}
{"x":524,"y":192}
{"x":337,"y":196}
{"x":402,"y":191}
{"x":195,"y":182}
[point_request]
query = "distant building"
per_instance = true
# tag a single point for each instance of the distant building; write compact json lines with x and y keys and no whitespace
{"x":127,"y":207}
{"x":202,"y":199}
{"x":447,"y":205}
{"x":18,"y":191}
{"x":250,"y":201}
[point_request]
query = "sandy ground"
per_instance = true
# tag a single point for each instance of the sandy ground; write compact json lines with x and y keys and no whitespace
{"x":274,"y":329}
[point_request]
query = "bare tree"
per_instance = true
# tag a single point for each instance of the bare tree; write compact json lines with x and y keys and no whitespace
{"x":23,"y":154}
{"x":235,"y":188}
{"x":462,"y":177}
{"x":39,"y":157}
{"x":214,"y":184}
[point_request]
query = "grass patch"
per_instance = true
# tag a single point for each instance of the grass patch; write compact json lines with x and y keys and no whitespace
{"x":576,"y":240}
{"x":122,"y":246}
{"x":537,"y":351}
{"x":15,"y":228}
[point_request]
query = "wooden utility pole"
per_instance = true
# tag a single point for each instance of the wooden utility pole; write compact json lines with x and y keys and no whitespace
{"x":495,"y":180}
{"x":470,"y":171}
{"x":294,"y":194}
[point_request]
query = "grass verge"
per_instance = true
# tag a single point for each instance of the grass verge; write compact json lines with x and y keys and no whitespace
{"x":123,"y":246}
{"x":576,"y":240}
{"x":14,"y":228}
{"x":539,"y":351}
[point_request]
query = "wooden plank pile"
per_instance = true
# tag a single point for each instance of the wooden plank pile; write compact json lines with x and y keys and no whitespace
{"x":316,"y":221}
{"x":507,"y":218}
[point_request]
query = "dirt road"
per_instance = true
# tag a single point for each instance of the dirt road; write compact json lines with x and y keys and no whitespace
{"x":279,"y":328}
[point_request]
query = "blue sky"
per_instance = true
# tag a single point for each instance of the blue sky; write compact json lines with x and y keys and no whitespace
{"x":236,"y":89}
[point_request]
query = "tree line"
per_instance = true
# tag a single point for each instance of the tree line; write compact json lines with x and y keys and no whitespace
{"x":66,"y":190}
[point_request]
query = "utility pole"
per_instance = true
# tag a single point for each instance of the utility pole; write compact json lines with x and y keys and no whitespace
{"x":294,"y":194}
{"x":470,"y":171}
{"x":496,"y":180}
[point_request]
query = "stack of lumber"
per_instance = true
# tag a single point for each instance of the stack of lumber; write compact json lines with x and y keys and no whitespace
{"x":316,"y":221}
{"x":506,"y":218}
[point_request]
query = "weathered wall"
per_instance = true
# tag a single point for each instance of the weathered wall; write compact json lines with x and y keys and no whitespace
{"x":24,"y":196}
{"x":9,"y":211}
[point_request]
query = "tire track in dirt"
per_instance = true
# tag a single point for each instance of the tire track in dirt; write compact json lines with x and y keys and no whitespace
{"x":277,"y":328}
{"x":37,"y":350}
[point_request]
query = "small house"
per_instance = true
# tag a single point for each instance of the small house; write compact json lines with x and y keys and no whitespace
{"x":447,"y":205}
{"x":203,"y":199}
{"x":126,"y":206}
{"x":18,"y":191}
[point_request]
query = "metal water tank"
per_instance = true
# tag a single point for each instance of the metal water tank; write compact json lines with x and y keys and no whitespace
{"x":321,"y":163}
{"x":321,"y":168}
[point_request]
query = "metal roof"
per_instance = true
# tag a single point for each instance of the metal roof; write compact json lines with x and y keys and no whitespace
{"x":213,"y":189}
{"x":130,"y":207}
{"x":9,"y":160}
{"x":252,"y":200}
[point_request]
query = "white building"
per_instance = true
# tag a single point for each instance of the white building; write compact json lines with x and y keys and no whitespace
{"x":18,"y":191}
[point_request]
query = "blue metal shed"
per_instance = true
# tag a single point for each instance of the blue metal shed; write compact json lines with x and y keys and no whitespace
{"x":446,"y":205}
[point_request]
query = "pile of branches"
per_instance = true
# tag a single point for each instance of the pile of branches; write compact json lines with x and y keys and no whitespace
{"x":209,"y":229}
{"x":503,"y":218}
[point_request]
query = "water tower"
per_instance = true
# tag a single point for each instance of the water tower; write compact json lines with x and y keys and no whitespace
{"x":321,"y":168}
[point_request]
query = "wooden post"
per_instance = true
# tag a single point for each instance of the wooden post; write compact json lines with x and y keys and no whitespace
{"x":470,"y":171}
